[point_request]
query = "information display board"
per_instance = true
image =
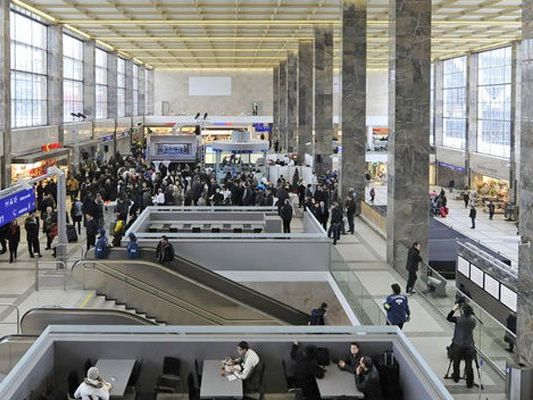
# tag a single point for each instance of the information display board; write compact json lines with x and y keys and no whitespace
{"x":476,"y":275}
{"x":492,"y":286}
{"x":463,"y":266}
{"x":16,"y":204}
{"x":508,"y":297}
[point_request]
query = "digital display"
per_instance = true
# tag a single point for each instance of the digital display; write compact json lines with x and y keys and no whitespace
{"x":476,"y":275}
{"x":16,"y":204}
{"x":463,"y":266}
{"x":492,"y":286}
{"x":508,"y":297}
{"x":173,"y":150}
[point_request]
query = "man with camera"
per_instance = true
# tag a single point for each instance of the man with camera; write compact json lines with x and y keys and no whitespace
{"x":462,"y":347}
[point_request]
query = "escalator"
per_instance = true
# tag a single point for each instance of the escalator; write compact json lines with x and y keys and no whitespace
{"x":181,"y":292}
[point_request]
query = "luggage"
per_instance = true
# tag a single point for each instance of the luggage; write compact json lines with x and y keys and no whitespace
{"x":389,"y":375}
{"x":444,"y":212}
{"x":72,"y":235}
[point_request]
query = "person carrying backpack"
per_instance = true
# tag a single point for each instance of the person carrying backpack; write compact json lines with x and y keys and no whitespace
{"x":102,"y":246}
{"x":133,"y":247}
{"x":318,"y":314}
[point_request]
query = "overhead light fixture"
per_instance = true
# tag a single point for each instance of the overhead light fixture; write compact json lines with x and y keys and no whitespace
{"x":76,"y":30}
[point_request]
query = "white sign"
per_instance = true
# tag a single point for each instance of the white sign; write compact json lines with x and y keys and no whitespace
{"x":492,"y":286}
{"x":508,"y":297}
{"x":476,"y":275}
{"x":463,"y":266}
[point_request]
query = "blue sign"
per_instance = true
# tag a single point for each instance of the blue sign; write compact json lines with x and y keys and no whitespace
{"x":16,"y":204}
{"x":450,"y":166}
{"x":261,"y":127}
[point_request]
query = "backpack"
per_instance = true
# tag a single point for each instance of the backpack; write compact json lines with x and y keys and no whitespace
{"x":317,"y":317}
{"x":133,"y":250}
{"x":101,"y":248}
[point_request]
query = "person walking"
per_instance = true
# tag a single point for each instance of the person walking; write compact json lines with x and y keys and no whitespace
{"x":322,"y":214}
{"x":14,"y":239}
{"x":91,"y":229}
{"x":285,"y":213}
{"x":397,"y":307}
{"x":472,"y":215}
{"x":372,"y":195}
{"x":49,"y":218}
{"x":31,"y":225}
{"x":77,"y":214}
{"x":336,"y":222}
{"x":413,"y":258}
{"x":133,"y":247}
{"x":462,"y":347}
{"x":318,"y":315}
{"x":350,"y":213}
{"x":491,"y":208}
{"x":466,"y":198}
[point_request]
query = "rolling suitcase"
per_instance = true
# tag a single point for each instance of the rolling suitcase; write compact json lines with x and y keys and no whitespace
{"x":72,"y":235}
{"x":389,"y":375}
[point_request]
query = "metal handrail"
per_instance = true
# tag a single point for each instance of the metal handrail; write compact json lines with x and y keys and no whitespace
{"x":17,"y":311}
{"x":73,"y":246}
{"x":56,"y":262}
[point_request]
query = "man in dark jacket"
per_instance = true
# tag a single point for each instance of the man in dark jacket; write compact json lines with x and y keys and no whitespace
{"x":472,"y":215}
{"x":31,"y":224}
{"x":367,"y":379}
{"x":306,"y":370}
{"x":91,"y":229}
{"x":336,"y":222}
{"x":397,"y":307}
{"x":462,"y":347}
{"x":164,"y":251}
{"x":413,"y":258}
{"x":285,"y":213}
{"x":322,"y":214}
{"x":350,"y":213}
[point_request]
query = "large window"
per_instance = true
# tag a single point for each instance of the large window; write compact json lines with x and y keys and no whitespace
{"x":72,"y":77}
{"x":454,"y":102}
{"x":494,"y":102}
{"x":28,"y":72}
{"x":146,"y":92}
{"x":121,"y":87}
{"x":432,"y":106}
{"x":100,"y":72}
{"x":135,"y":89}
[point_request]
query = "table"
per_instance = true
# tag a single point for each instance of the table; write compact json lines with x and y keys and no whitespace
{"x":216,"y":385}
{"x":337,"y":383}
{"x":116,"y":372}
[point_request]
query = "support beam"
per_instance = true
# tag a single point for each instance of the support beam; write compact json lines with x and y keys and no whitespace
{"x":150,"y":93}
{"x":111,"y":85}
{"x":129,"y":88}
{"x":5,"y":96}
{"x":323,"y":123}
{"x":89,"y":83}
{"x":409,"y":95}
{"x":283,"y":107}
{"x":292,"y":101}
{"x":354,"y":99}
{"x":55,"y":79}
{"x":471,"y":112}
{"x":275,"y":107}
{"x":142,"y":95}
{"x":305,"y":99}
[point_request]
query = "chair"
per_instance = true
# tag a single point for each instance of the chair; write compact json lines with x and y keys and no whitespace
{"x":256,"y":379}
{"x":73,"y":382}
{"x":237,"y":230}
{"x":196,"y":229}
{"x":146,"y":396}
{"x":169,"y":381}
{"x":291,"y":385}
{"x":135,"y":372}
{"x":193,"y":390}
{"x":197,"y":371}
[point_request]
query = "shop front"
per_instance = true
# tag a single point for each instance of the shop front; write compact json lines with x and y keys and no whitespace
{"x":489,"y":189}
{"x":449,"y":175}
{"x":35,"y":164}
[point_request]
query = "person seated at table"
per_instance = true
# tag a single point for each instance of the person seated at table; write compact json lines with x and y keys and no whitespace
{"x":352,"y":361}
{"x":306,"y":370}
{"x":93,"y":387}
{"x":243,"y":366}
{"x":367,"y":379}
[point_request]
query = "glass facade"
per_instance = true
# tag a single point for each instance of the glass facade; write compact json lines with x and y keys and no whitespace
{"x":494,"y":102}
{"x":121,"y":87}
{"x":72,"y":77}
{"x":100,"y":66}
{"x":135,"y":89}
{"x":28,"y":72}
{"x":454,"y":103}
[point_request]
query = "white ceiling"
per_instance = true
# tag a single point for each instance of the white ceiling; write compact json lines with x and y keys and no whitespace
{"x":258,"y":33}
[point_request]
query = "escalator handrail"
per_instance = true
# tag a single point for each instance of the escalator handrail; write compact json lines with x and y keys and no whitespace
{"x":129,"y":280}
{"x":17,"y":337}
{"x":228,"y":287}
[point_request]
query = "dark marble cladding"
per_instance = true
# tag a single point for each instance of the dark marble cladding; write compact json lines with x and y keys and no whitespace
{"x":283,"y":104}
{"x":409,"y":94}
{"x":354,"y":97}
{"x":305,"y":98}
{"x":275,"y":107}
{"x":292,"y":101}
{"x":323,"y":98}
{"x":525,"y":256}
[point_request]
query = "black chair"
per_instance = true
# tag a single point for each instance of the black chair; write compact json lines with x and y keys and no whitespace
{"x":257,"y":376}
{"x":146,"y":396}
{"x":197,"y":371}
{"x":73,"y":382}
{"x":237,"y":230}
{"x":196,"y":229}
{"x":135,"y":372}
{"x":169,"y":381}
{"x":288,"y":379}
{"x":193,"y":390}
{"x":215,"y":230}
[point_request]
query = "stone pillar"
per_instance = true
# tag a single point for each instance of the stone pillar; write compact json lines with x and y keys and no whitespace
{"x":512,"y":143}
{"x":354,"y":98}
{"x":128,"y":70}
{"x":323,"y":123}
{"x":305,"y":99}
{"x":5,"y":96}
{"x":142,"y":94}
{"x":89,"y":84}
{"x":112,"y":85}
{"x":283,"y":107}
{"x":55,"y":79}
{"x":292,"y":101}
{"x":408,"y":168}
{"x":275,"y":107}
{"x":524,"y":345}
{"x":437,"y":76}
{"x":471,"y":113}
{"x":150,"y":93}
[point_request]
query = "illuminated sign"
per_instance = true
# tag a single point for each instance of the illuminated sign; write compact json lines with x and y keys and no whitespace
{"x":16,"y":204}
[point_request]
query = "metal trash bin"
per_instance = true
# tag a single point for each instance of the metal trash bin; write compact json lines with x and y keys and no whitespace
{"x":519,"y":381}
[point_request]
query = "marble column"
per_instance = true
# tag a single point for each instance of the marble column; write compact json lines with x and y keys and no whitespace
{"x":89,"y":83}
{"x":292,"y":101}
{"x":141,"y":98}
{"x":128,"y":71}
{"x":283,"y":107}
{"x":5,"y":97}
{"x":512,"y":143}
{"x":55,"y":79}
{"x":524,"y":344}
{"x":354,"y":98}
{"x":323,"y":123}
{"x":275,"y":107}
{"x":150,"y":93}
{"x":471,"y":112}
{"x":408,"y":158}
{"x":305,"y":99}
{"x":437,"y":76}
{"x":112,"y":85}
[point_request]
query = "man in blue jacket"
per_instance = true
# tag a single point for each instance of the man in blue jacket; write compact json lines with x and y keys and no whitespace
{"x":397,"y":307}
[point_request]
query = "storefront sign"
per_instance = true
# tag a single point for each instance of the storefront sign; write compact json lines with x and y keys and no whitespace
{"x":16,"y":204}
{"x":51,"y":146}
{"x":107,"y":138}
{"x":450,"y":166}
